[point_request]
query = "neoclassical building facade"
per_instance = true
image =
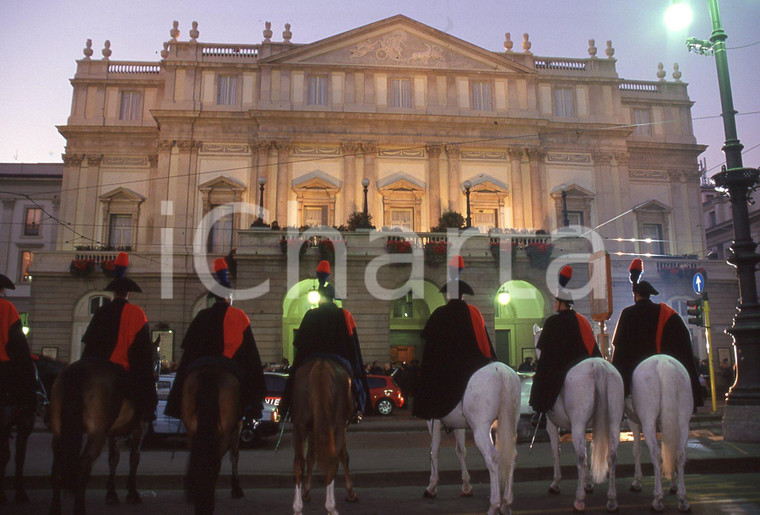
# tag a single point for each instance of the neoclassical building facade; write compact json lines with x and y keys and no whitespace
{"x":394,"y":112}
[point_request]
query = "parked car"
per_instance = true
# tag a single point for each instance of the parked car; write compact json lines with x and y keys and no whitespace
{"x":269,"y":423}
{"x":524,"y":428}
{"x":384,"y":394}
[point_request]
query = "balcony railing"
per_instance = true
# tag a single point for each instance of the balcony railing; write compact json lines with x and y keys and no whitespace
{"x":133,"y":68}
{"x":572,"y":65}
{"x":642,"y":86}
{"x":230,"y":51}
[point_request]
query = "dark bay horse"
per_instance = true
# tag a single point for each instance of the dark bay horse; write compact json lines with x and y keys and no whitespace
{"x":321,"y":406}
{"x":212,"y":414}
{"x":89,"y":397}
{"x":22,"y":418}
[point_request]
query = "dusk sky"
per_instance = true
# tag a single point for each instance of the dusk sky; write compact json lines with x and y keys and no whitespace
{"x":40,"y":42}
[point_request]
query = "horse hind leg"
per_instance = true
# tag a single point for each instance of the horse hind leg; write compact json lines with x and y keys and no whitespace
{"x":683,"y":504}
{"x":235,"y":490}
{"x":350,"y":493}
{"x":581,"y":462}
{"x":310,"y":460}
{"x":113,"y":461}
{"x":487,"y":449}
{"x":133,"y":495}
{"x":298,"y":470}
{"x":461,"y":452}
{"x":650,"y":436}
{"x":553,"y":431}
{"x":434,"y":427}
{"x":5,"y":455}
{"x":23,"y":430}
{"x":330,"y":493}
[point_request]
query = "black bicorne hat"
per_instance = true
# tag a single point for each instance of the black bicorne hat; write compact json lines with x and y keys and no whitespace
{"x":120,"y":283}
{"x":6,"y":284}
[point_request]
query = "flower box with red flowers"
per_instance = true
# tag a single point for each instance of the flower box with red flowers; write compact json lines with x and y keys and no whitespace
{"x":436,"y":252}
{"x":326,"y":249}
{"x":539,"y":254}
{"x":81,"y":267}
{"x":107,"y":267}
{"x":394,"y":246}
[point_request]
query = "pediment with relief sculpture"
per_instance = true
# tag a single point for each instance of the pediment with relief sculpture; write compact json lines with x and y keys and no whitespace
{"x":399,"y":42}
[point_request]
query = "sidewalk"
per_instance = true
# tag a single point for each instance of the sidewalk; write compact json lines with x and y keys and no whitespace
{"x":394,"y":451}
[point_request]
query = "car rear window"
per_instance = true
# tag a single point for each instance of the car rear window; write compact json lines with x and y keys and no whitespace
{"x":275,"y":384}
{"x":376,"y":382}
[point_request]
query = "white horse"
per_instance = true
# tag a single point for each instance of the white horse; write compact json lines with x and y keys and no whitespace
{"x":492,"y":395}
{"x":592,"y":393}
{"x":661,"y":395}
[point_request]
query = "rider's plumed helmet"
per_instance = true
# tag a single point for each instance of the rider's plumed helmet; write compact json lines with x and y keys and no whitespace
{"x":120,"y":283}
{"x":643,"y":288}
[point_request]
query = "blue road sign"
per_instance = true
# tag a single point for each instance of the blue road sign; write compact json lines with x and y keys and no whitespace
{"x":698,"y":283}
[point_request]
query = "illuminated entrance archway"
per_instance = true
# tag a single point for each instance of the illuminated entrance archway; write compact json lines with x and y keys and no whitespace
{"x":294,"y":307}
{"x":517,"y":307}
{"x":408,"y":317}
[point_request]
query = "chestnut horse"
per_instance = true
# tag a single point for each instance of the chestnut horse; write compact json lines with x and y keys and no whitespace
{"x":321,"y":408}
{"x":212,"y":414}
{"x":89,"y":397}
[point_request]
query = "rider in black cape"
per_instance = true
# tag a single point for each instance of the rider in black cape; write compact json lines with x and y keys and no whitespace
{"x":119,"y":333}
{"x":456,"y":346}
{"x":221,"y":336}
{"x":648,"y":328}
{"x":329,"y":331}
{"x":17,"y":379}
{"x":566,"y":339}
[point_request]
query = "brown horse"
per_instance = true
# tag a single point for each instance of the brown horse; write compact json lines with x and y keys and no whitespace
{"x":89,"y":397}
{"x":22,"y":418}
{"x":212,"y":414}
{"x":321,"y":405}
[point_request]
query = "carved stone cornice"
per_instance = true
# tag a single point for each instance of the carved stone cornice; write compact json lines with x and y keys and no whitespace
{"x":166,"y":144}
{"x":283,"y":147}
{"x":261,"y":147}
{"x":188,"y":144}
{"x":434,"y":151}
{"x":369,"y":149}
{"x":622,"y":158}
{"x":601,"y":158}
{"x":678,"y":175}
{"x":514,"y":153}
{"x":94,"y":160}
{"x":534,"y":154}
{"x":153,"y":160}
{"x":72,"y":159}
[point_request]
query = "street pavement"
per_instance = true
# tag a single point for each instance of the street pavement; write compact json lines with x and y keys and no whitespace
{"x":390,"y":459}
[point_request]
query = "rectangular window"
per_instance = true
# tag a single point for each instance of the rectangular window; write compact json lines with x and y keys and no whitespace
{"x":25,"y":274}
{"x":220,"y":237}
{"x":481,"y":96}
{"x":401,"y":93}
{"x":226,"y":93}
{"x":317,"y":91}
{"x":131,"y":106}
{"x":713,"y":219}
{"x":485,"y":219}
{"x":120,"y":231}
{"x":563,"y":102}
{"x":643,"y":122}
{"x":402,"y":218}
{"x":652,"y":236}
{"x":575,"y":217}
{"x":32,"y":221}
{"x":315,"y":216}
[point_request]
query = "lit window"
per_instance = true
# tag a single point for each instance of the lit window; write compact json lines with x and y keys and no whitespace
{"x":317,"y":91}
{"x":130,"y":106}
{"x":563,"y":102}
{"x":227,"y":92}
{"x":643,"y":122}
{"x":403,"y":218}
{"x":481,"y":96}
{"x":652,"y":236}
{"x":401,"y":93}
{"x":120,"y":231}
{"x":32,"y":221}
{"x":220,"y":236}
{"x":484,"y":219}
{"x":27,"y":258}
{"x":315,"y":216}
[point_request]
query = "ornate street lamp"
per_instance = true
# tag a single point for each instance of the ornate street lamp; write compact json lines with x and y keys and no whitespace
{"x":741,"y":418}
{"x":467,"y":185}
{"x":262,"y":183}
{"x":365,"y":185}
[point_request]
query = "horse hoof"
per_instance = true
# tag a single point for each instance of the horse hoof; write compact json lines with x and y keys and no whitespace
{"x":684,"y":507}
{"x":635,"y":488}
{"x":112,"y":498}
{"x":20,"y":497}
{"x":352,"y":497}
{"x":554,"y":490}
{"x":579,"y":507}
{"x":613,"y":507}
{"x":306,"y":497}
{"x":466,"y":493}
{"x":237,"y":493}
{"x":428,"y":495}
{"x":656,"y":507}
{"x":589,"y":489}
{"x":134,"y":498}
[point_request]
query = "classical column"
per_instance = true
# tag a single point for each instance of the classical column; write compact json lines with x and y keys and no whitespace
{"x":152,"y":235}
{"x":455,"y":177}
{"x":374,"y":201}
{"x":186,"y":171}
{"x":537,"y":187}
{"x":434,"y":182}
{"x":69,"y":196}
{"x":605,"y":195}
{"x":88,"y":205}
{"x":683,"y":230}
{"x":623,"y":201}
{"x":349,"y":150}
{"x":518,"y":211}
{"x":260,"y":168}
{"x":281,"y":208}
{"x":528,"y":200}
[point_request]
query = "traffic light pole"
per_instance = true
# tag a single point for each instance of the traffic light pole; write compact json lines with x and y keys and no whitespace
{"x":708,"y":337}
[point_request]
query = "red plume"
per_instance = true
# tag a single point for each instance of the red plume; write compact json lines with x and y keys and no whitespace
{"x":635,"y":270}
{"x":565,"y":275}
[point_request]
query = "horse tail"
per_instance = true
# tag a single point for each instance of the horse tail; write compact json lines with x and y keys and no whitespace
{"x":203,"y":469}
{"x":600,"y":441}
{"x":670,"y":404}
{"x":509,"y":415}
{"x":71,"y":409}
{"x":323,"y":404}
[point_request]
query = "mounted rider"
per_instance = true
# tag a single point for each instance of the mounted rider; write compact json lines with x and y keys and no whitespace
{"x":18,"y":382}
{"x":566,"y":340}
{"x":648,"y":328}
{"x":456,"y":346}
{"x":119,"y":333}
{"x":329,"y":331}
{"x":221,"y":336}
